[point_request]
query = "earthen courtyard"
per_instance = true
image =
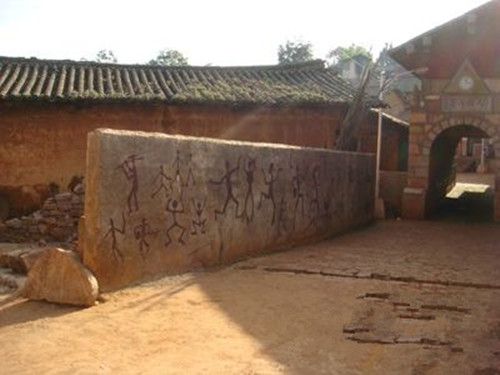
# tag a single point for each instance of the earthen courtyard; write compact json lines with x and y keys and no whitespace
{"x":262,"y":249}
{"x":399,"y":297}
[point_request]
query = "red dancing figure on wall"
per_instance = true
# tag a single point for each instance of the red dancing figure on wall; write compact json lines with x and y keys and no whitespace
{"x":175,"y":208}
{"x":129,"y":168}
{"x":281,"y":222}
{"x":273,"y":177}
{"x":164,"y":180}
{"x":198,"y":221}
{"x":297,"y":193}
{"x":177,"y":165}
{"x":226,"y":180}
{"x":190,"y":176}
{"x":141,"y":233}
{"x":113,"y":230}
{"x":314,"y":209}
{"x":248,"y":206}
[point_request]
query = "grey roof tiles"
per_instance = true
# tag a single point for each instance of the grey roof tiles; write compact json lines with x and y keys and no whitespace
{"x":64,"y":80}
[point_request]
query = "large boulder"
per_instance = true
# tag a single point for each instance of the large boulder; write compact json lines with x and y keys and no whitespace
{"x":21,"y":260}
{"x":59,"y":276}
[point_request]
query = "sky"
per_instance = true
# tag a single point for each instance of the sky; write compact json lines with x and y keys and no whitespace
{"x":216,"y":32}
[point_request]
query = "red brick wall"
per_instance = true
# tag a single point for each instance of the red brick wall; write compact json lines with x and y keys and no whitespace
{"x":311,"y":127}
{"x":45,"y":143}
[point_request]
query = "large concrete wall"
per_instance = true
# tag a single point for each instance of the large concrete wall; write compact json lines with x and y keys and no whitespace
{"x":160,"y":204}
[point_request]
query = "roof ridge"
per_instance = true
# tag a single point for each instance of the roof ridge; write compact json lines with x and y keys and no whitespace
{"x":312,"y":64}
{"x":67,"y":80}
{"x":443,"y":25}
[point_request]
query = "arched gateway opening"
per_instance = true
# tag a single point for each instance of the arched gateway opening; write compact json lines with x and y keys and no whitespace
{"x":461,"y":184}
{"x":459,"y":97}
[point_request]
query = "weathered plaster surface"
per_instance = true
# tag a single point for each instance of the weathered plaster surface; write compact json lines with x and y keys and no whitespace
{"x":160,"y":204}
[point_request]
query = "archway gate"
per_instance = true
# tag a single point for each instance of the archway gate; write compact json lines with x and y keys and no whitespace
{"x":460,"y":89}
{"x":420,"y":196}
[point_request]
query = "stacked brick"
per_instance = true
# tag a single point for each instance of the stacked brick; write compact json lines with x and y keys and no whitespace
{"x":57,"y":220}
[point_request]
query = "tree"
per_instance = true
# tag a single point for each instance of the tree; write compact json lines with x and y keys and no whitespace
{"x":106,"y":56}
{"x":352,"y":127}
{"x":169,"y":57}
{"x":295,"y":52}
{"x":340,"y":53}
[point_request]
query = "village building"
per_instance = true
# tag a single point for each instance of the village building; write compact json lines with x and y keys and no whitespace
{"x":47,"y":108}
{"x":459,"y":99}
{"x":399,"y":83}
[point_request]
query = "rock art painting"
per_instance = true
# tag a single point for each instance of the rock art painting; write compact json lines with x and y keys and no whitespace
{"x":129,"y":168}
{"x":168,"y":204}
{"x":227,"y":181}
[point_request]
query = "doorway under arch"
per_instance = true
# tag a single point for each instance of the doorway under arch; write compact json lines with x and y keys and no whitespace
{"x":470,"y":200}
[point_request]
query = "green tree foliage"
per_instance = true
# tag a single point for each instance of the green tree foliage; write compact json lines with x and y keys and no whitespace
{"x":295,"y":52}
{"x":106,"y":56}
{"x":340,"y":53}
{"x":169,"y":57}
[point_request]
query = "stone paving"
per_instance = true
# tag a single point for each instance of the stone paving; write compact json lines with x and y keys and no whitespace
{"x":459,"y":254}
{"x":441,"y":288}
{"x":395,"y":298}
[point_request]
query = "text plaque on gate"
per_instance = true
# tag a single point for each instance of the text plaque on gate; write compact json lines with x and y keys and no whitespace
{"x":463,"y":103}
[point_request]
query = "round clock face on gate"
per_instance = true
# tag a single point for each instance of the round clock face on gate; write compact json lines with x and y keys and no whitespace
{"x":466,"y":83}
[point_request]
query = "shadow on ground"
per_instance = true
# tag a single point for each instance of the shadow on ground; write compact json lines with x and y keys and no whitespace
{"x":24,"y":311}
{"x":298,"y":316}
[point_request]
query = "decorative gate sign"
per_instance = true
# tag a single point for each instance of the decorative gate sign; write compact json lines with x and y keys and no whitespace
{"x":462,"y":103}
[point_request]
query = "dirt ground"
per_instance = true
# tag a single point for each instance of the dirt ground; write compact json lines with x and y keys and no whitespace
{"x":394,"y":298}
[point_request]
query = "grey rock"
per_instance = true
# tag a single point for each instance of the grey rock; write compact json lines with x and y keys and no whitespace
{"x":14,"y":223}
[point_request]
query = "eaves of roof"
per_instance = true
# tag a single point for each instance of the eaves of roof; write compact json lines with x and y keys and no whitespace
{"x":64,"y":80}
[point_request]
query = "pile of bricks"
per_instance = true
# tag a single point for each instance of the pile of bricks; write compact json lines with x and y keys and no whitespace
{"x":57,"y":220}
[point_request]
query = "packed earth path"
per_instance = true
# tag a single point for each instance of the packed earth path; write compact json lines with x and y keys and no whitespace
{"x":397,"y":297}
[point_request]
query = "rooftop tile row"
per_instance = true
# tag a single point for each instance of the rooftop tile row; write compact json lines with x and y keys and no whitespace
{"x":63,"y":80}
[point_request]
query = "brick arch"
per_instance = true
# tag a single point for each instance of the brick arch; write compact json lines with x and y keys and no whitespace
{"x":452,"y":121}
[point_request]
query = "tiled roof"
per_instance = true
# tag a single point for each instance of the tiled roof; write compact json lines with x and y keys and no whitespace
{"x":63,"y":80}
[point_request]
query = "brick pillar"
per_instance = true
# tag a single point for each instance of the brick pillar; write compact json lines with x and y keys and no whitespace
{"x":496,"y":202}
{"x":496,"y":208}
{"x":415,"y":194}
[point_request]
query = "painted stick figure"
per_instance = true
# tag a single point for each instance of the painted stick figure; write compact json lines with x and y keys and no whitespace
{"x":314,"y":209}
{"x":297,"y":193}
{"x":281,"y":223}
{"x":141,"y":232}
{"x":174,"y":208}
{"x":198,"y":222}
{"x":227,"y":181}
{"x":190,"y":176}
{"x":269,"y":195}
{"x":164,"y":180}
{"x":248,"y":206}
{"x":129,"y":168}
{"x":177,"y":165}
{"x":315,"y":176}
{"x":113,"y":230}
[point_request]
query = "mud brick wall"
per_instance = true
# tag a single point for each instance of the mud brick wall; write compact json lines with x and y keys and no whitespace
{"x":43,"y":145}
{"x":159,"y":204}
